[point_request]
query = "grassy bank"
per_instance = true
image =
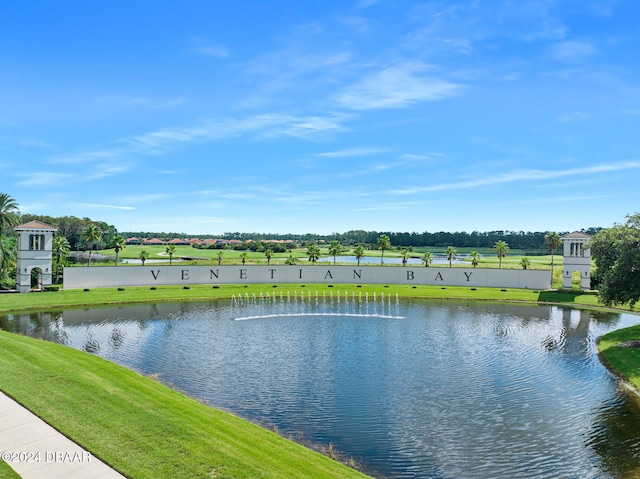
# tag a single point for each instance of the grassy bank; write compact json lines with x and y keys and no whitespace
{"x":108,"y":296}
{"x":623,"y":361}
{"x":142,"y":428}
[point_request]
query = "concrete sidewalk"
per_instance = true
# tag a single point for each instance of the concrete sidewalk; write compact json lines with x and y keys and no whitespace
{"x":35,"y":450}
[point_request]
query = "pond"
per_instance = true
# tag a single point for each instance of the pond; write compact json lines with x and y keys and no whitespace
{"x":409,"y":389}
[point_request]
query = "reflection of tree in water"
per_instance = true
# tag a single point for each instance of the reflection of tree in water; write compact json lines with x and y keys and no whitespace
{"x":6,"y":323}
{"x":614,"y":436}
{"x":116,"y":338}
{"x":92,"y":345}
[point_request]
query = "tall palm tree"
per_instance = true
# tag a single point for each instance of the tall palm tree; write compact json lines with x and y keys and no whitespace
{"x":244,"y":256}
{"x":61,"y":249}
{"x":383,"y":243}
{"x":553,"y":242}
{"x":170,"y":250}
{"x":9,"y":216}
{"x":501,"y":248}
{"x":405,"y":256}
{"x":92,"y":235}
{"x":335,"y":248}
{"x":313,"y":252}
{"x":426,"y":259}
{"x":525,"y":262}
{"x":269,"y":254}
{"x":143,"y":256}
{"x":451,"y":253}
{"x":475,"y":258}
{"x":359,"y":253}
{"x":118,"y":245}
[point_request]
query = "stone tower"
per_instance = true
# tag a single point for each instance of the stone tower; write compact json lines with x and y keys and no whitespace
{"x":577,"y":257}
{"x":35,"y":253}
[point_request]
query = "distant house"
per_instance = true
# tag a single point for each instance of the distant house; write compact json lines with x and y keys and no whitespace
{"x":179,"y":242}
{"x":130,"y":241}
{"x":154,"y":242}
{"x":193,"y":241}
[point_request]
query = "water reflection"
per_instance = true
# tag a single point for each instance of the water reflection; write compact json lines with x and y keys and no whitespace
{"x":412,"y":389}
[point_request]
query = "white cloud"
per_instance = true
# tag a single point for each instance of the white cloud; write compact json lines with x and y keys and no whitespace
{"x":45,"y":178}
{"x":572,"y":50}
{"x":519,"y":175}
{"x":102,"y":206}
{"x":363,"y":151}
{"x":213,"y":51}
{"x":398,"y":86}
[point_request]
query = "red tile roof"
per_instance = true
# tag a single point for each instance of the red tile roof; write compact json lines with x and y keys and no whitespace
{"x":35,"y":225}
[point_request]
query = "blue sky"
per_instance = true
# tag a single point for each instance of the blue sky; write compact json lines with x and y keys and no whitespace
{"x":205,"y":117}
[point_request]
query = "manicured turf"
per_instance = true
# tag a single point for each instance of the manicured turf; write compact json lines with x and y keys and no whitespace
{"x":624,"y":361}
{"x":142,"y":428}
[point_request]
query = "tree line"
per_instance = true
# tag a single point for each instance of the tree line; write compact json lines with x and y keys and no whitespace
{"x":520,"y":240}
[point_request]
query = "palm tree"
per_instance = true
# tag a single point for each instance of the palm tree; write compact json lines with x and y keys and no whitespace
{"x":313,"y":252}
{"x":405,"y":256}
{"x":61,"y":249}
{"x":451,"y":253}
{"x":170,"y":250}
{"x":426,"y":259}
{"x":525,"y":263}
{"x":291,"y":259}
{"x":220,"y":256}
{"x":143,"y":256}
{"x":9,"y":216}
{"x":553,"y":242}
{"x":335,"y":248}
{"x":92,"y":235}
{"x":501,"y":248}
{"x":244,"y":256}
{"x":359,"y":253}
{"x":383,"y":243}
{"x":475,"y":258}
{"x":118,"y":245}
{"x":269,"y":254}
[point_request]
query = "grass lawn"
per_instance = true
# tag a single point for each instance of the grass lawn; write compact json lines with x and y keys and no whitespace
{"x":142,"y":428}
{"x":622,"y":360}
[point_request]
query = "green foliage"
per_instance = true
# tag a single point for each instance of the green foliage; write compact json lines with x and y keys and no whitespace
{"x":451,"y":253}
{"x":335,"y":248}
{"x":313,"y":252}
{"x":616,"y":253}
{"x":383,"y":243}
{"x":501,"y":248}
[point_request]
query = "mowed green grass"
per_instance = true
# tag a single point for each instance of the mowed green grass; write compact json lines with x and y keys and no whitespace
{"x":142,"y":428}
{"x":622,"y":360}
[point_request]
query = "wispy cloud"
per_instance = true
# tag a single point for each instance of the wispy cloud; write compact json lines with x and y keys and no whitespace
{"x":520,"y":175}
{"x":213,"y":51}
{"x":398,"y":86}
{"x":572,"y":50}
{"x":102,"y":206}
{"x":44,"y":178}
{"x":362,"y":151}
